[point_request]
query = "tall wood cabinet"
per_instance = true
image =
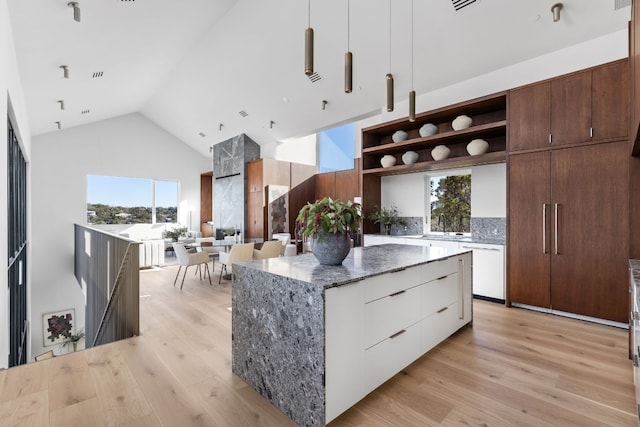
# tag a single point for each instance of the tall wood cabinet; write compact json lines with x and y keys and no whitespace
{"x":568,"y":230}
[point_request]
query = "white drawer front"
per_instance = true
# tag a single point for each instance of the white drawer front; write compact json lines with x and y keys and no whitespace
{"x":387,"y":358}
{"x":387,"y":284}
{"x":439,"y":293}
{"x":386,"y":316}
{"x":440,"y":325}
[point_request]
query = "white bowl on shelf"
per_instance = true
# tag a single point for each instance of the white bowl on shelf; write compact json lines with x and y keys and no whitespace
{"x":409,"y":157}
{"x":428,"y":129}
{"x":399,"y":136}
{"x":461,"y":122}
{"x":440,"y":152}
{"x":387,"y":161}
{"x":477,"y":147}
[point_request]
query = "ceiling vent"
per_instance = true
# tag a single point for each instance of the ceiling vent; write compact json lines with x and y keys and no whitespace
{"x":619,"y":4}
{"x":97,"y":74}
{"x":243,"y":113}
{"x":315,"y":77}
{"x":202,"y":134}
{"x":85,"y":111}
{"x":461,"y":4}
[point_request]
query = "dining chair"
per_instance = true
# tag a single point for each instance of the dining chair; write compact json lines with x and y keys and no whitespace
{"x":240,"y":252}
{"x":44,"y":356}
{"x":187,"y":259}
{"x":270,"y":249}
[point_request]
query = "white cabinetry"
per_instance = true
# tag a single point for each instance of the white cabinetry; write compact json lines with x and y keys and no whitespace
{"x":488,"y":269}
{"x":376,"y":327}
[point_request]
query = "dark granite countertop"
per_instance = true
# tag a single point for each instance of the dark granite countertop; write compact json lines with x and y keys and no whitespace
{"x":360,"y":263}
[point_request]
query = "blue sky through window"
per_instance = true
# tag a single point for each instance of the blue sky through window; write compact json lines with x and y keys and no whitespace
{"x":336,"y":148}
{"x":130,"y":192}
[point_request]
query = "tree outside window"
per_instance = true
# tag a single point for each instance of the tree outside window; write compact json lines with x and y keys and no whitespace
{"x":450,"y":198}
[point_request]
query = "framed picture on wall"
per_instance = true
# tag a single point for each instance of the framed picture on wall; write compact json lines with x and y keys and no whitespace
{"x":58,"y":327}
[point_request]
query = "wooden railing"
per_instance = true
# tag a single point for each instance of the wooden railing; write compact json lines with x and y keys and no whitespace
{"x":107,"y":268}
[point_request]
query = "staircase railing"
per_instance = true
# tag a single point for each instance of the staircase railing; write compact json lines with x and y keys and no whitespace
{"x":107,"y":268}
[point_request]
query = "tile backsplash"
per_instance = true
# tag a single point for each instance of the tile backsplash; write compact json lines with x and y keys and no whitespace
{"x":489,"y":228}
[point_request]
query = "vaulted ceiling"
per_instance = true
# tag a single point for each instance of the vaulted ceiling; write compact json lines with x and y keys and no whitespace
{"x":208,"y":70}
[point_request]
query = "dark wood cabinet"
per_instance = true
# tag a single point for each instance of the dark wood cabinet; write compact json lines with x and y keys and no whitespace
{"x":568,"y":228}
{"x":529,"y":229}
{"x":261,"y":173}
{"x":585,"y":106}
{"x":529,"y":117}
{"x":610,"y":101}
{"x":571,"y":108}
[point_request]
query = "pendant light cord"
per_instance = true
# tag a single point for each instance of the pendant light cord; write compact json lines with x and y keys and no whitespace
{"x":309,"y":15}
{"x":348,"y":23}
{"x":389,"y":36}
{"x":412,"y":1}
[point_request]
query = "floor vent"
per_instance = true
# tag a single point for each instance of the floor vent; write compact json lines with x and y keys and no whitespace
{"x":315,"y":77}
{"x":97,"y":74}
{"x":460,"y":4}
{"x":619,"y":4}
{"x":243,"y":113}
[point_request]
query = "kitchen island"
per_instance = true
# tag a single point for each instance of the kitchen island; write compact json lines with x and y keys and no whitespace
{"x":315,"y":339}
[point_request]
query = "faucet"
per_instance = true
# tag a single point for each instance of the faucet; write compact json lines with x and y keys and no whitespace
{"x":442,"y":220}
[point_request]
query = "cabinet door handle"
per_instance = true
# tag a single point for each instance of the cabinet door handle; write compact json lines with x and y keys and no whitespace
{"x":544,"y":228}
{"x":398,"y":334}
{"x":442,"y":309}
{"x":550,"y":138}
{"x":397,"y":293}
{"x":590,"y":132}
{"x":556,"y":228}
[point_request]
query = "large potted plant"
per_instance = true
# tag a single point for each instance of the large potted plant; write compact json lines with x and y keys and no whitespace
{"x":386,"y":217}
{"x":328,"y":223}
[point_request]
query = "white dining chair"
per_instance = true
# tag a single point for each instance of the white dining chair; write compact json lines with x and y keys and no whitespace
{"x":240,"y":252}
{"x":187,"y":259}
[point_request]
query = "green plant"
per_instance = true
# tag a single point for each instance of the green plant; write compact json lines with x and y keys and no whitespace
{"x":73,"y":339}
{"x":386,"y":216}
{"x":175,"y":232}
{"x":328,"y":215}
{"x":230,"y":232}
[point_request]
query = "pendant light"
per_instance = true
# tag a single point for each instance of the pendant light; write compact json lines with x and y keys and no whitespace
{"x":308,"y":45}
{"x":348,"y":58}
{"x":412,"y":93}
{"x":389,"y":76}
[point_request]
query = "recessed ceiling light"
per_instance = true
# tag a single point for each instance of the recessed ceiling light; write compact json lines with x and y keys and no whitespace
{"x":202,"y":134}
{"x":285,"y":99}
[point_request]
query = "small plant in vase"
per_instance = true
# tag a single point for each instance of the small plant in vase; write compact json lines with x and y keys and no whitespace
{"x":73,"y":339}
{"x":175,"y":233}
{"x":328,"y":223}
{"x":387,"y":217}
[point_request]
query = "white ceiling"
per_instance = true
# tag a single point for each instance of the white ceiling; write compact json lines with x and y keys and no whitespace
{"x":190,"y":66}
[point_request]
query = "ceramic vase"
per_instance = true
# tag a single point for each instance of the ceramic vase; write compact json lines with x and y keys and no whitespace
{"x":461,"y":122}
{"x":329,"y":248}
{"x":399,"y":136}
{"x":428,"y":130}
{"x":440,"y":152}
{"x":477,"y":147}
{"x":409,"y":157}
{"x":387,"y":161}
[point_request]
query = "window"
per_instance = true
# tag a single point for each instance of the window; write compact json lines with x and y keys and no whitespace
{"x":449,"y":203}
{"x":336,"y":148}
{"x":120,"y":200}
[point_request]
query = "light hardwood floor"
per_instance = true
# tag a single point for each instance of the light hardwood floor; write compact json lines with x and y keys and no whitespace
{"x":514,"y":367}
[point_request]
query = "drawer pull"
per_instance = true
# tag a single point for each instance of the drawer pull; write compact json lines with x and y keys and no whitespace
{"x":397,"y":293}
{"x":398,"y":333}
{"x":443,"y":277}
{"x":442,"y":309}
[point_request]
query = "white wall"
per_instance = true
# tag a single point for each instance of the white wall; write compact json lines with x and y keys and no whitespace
{"x":130,"y":146}
{"x":489,"y":191}
{"x":12,"y":104}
